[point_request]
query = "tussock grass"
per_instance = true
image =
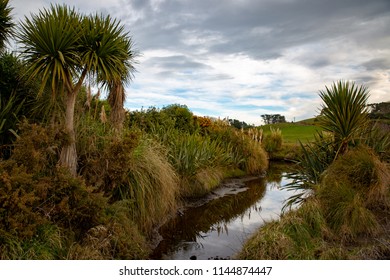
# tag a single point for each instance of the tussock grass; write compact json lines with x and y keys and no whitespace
{"x":352,"y":188}
{"x":135,"y":168}
{"x":362,"y":171}
{"x":153,"y":184}
{"x":297,"y":235}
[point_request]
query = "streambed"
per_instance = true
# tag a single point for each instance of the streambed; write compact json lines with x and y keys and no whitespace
{"x":216,"y":226}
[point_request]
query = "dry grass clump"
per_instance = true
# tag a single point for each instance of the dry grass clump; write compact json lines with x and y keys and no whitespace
{"x":247,"y":153}
{"x":363,"y":169}
{"x":297,"y":235}
{"x":153,"y":184}
{"x":352,"y":189}
{"x":268,"y":243}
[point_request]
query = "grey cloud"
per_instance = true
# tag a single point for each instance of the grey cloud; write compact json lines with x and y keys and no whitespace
{"x":336,"y":33}
{"x":176,"y":62}
{"x":289,"y":23}
{"x":378,"y":64}
{"x":347,"y":35}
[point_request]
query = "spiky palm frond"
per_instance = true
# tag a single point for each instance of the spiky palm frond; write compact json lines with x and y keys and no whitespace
{"x":50,"y":45}
{"x":63,"y":46}
{"x":108,"y":54}
{"x":107,"y":49}
{"x":6,"y":24}
{"x":344,"y":112}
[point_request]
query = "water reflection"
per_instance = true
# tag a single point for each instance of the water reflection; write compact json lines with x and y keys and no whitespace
{"x":219,"y":227}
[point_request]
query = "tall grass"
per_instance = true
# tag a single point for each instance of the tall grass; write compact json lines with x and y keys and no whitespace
{"x":273,"y":141}
{"x":377,"y":137}
{"x":314,"y":159}
{"x":200,"y":162}
{"x":247,"y":153}
{"x":153,"y":184}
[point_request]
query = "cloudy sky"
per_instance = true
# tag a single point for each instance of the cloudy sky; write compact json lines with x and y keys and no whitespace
{"x":244,"y":58}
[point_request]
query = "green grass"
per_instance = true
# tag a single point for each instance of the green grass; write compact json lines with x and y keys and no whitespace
{"x":294,"y":132}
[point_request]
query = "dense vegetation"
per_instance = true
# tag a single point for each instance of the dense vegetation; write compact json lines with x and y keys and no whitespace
{"x":345,"y":181}
{"x":81,"y":178}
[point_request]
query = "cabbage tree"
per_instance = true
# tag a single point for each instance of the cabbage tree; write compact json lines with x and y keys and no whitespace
{"x":62,"y":47}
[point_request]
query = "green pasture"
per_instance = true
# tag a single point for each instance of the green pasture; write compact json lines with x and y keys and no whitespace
{"x":303,"y":131}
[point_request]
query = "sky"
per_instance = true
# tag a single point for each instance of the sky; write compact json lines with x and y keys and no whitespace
{"x":244,"y":58}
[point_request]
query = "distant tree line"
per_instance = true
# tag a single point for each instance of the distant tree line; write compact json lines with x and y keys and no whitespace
{"x":273,"y":118}
{"x":379,"y":110}
{"x":239,"y":124}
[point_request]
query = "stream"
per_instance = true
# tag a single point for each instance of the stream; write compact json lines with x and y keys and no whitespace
{"x":217,"y":226}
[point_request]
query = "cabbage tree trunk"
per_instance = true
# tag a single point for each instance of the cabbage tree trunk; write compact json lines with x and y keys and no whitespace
{"x":68,"y":157}
{"x":116,"y":99}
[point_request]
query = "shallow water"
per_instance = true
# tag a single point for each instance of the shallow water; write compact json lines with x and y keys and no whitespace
{"x":217,"y":227}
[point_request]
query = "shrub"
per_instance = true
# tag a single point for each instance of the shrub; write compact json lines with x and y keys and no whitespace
{"x":39,"y":199}
{"x":134,"y":168}
{"x":174,"y":116}
{"x":42,"y":206}
{"x":182,"y":117}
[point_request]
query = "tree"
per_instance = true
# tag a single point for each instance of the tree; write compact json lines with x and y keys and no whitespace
{"x":379,"y":110}
{"x":116,"y":99}
{"x":238,"y":124}
{"x":181,"y":116}
{"x":344,"y":112}
{"x":272,"y":119}
{"x":6,"y":24}
{"x":63,"y":47}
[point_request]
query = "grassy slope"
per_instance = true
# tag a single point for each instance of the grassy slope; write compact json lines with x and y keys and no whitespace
{"x":292,"y":132}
